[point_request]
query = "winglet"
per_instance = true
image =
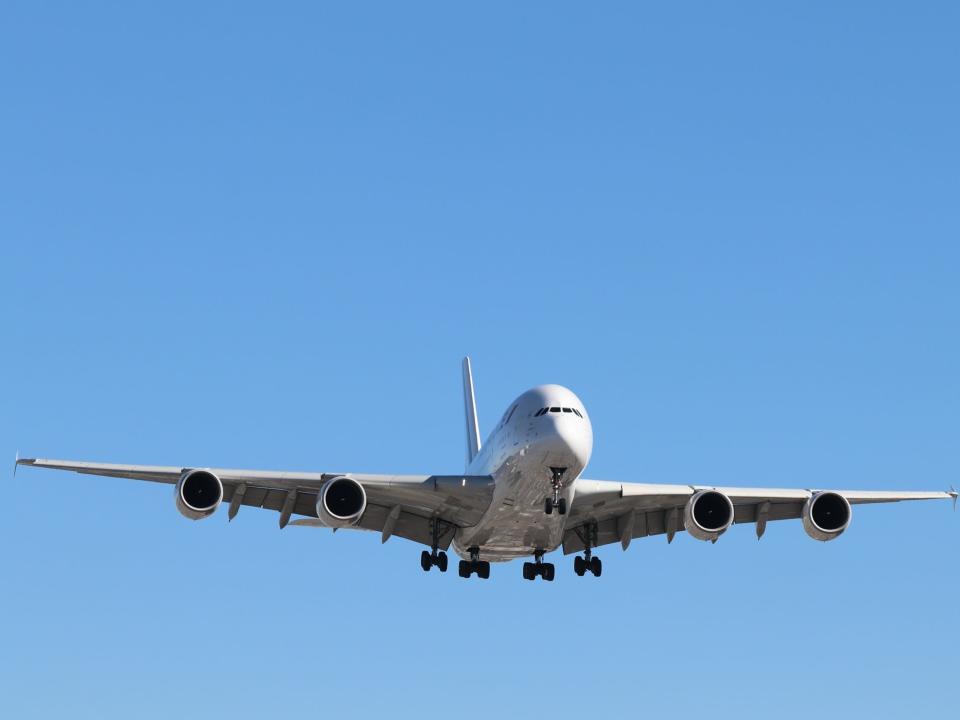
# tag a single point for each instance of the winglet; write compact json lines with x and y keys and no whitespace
{"x":21,"y":461}
{"x":953,"y":494}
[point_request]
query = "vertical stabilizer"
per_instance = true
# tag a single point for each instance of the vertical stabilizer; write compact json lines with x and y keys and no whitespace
{"x":470,"y":406}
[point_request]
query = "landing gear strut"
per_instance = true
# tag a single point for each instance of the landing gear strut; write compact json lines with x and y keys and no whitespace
{"x":532,"y":569}
{"x":588,"y":535}
{"x":434,"y":557}
{"x":475,"y":565}
{"x":555,"y":501}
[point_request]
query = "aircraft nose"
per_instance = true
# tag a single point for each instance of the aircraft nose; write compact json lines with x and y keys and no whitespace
{"x":573,"y":437}
{"x":580,"y":442}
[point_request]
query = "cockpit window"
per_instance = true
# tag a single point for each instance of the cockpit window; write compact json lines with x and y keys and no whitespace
{"x":544,"y":411}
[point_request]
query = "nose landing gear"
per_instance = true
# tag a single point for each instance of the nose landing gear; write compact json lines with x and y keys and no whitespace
{"x":474,"y":565}
{"x":556,"y":481}
{"x":532,"y":569}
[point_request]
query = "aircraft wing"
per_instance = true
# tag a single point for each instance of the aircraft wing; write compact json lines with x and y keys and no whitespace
{"x":402,"y":505}
{"x":622,"y":511}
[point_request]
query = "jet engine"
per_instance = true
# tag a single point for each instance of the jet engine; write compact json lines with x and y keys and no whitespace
{"x":708,"y":514}
{"x":199,"y":493}
{"x":826,"y":515}
{"x":341,"y":502}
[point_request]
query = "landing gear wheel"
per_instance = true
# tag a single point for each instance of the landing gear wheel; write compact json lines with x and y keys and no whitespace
{"x":474,"y":565}
{"x":529,"y":571}
{"x":588,"y":535}
{"x":431,"y":559}
{"x":436,"y":557}
{"x":591,"y":564}
{"x":532,"y":569}
{"x":555,"y":501}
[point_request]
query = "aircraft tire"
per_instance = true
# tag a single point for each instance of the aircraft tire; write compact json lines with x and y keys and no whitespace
{"x":596,"y":567}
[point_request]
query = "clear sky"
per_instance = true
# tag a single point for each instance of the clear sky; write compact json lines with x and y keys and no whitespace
{"x":264,"y":235}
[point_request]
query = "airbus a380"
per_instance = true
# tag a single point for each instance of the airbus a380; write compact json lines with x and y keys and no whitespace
{"x":521,"y":496}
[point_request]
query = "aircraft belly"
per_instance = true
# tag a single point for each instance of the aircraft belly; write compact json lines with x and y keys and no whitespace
{"x":516,"y":524}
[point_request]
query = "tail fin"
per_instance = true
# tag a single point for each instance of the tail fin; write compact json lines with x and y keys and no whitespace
{"x":470,"y":405}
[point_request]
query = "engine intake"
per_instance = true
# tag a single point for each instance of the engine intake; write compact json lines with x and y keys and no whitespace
{"x":708,"y":515}
{"x":341,"y":502}
{"x":199,"y":494}
{"x":826,"y":515}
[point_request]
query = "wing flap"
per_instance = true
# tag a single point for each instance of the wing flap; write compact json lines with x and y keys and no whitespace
{"x":409,"y":525}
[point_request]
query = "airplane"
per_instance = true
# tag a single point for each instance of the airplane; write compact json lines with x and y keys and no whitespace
{"x":521,"y":496}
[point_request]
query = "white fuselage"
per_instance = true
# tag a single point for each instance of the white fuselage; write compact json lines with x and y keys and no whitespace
{"x":519,"y":454}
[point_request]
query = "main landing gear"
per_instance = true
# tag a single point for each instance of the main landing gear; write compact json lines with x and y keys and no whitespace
{"x":587,"y":534}
{"x":532,"y":569}
{"x":434,"y":557}
{"x":582,"y":564}
{"x":555,"y":501}
{"x":475,"y":565}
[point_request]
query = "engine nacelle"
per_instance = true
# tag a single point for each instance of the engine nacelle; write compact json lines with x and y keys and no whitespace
{"x":708,"y":515}
{"x":199,"y":494}
{"x":826,"y":515}
{"x":341,"y":502}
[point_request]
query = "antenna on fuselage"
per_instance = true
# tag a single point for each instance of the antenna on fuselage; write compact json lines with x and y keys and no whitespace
{"x":470,"y":407}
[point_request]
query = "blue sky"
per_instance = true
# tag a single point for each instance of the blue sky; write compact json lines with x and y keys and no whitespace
{"x":263,"y":236}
